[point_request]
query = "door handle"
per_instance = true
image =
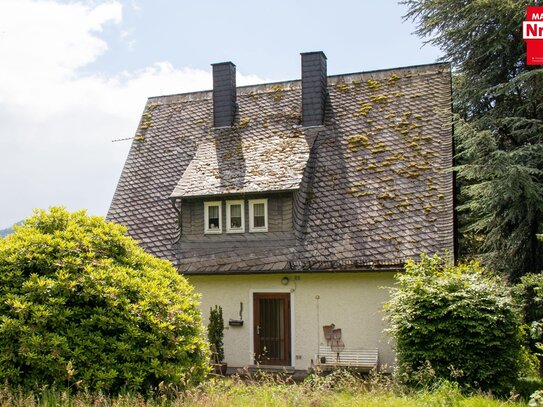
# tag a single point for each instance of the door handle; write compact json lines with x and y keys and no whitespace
{"x":258,"y":329}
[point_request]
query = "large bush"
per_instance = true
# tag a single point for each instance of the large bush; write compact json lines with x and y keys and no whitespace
{"x":530,"y":294}
{"x":455,"y":322}
{"x":81,"y":304}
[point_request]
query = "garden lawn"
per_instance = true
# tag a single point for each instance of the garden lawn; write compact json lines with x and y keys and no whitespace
{"x":236,"y":392}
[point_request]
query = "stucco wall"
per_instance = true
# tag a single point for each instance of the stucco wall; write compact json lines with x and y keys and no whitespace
{"x":352,"y":301}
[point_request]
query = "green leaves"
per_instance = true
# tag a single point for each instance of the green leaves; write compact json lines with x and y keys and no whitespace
{"x":530,"y":293}
{"x":456,"y":318}
{"x":498,"y":101}
{"x":81,"y":302}
{"x":215,"y":333}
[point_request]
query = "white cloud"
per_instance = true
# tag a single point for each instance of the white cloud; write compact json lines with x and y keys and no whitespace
{"x":50,"y":40}
{"x":56,"y":124}
{"x":126,"y":36}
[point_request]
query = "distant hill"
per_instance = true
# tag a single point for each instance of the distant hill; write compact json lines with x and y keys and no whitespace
{"x":5,"y":232}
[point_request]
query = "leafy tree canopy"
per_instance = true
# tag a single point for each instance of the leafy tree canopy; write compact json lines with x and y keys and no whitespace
{"x":81,"y":303}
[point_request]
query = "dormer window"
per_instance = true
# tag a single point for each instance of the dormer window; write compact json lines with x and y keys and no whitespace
{"x":213,"y":216}
{"x":235,"y":219}
{"x":258,"y":215}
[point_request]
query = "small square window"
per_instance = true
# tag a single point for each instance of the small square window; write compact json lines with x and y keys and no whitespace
{"x":212,"y":217}
{"x":258,"y":215}
{"x":235,"y":219}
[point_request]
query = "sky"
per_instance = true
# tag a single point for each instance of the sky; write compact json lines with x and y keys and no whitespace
{"x":75,"y":75}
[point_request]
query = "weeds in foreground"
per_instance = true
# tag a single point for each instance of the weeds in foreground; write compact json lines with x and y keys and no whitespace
{"x":339,"y":388}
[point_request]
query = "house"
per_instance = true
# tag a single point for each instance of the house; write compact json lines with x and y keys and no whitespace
{"x":293,"y":204}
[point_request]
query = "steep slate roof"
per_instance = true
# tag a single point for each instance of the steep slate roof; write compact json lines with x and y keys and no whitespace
{"x":241,"y":161}
{"x":372,"y":188}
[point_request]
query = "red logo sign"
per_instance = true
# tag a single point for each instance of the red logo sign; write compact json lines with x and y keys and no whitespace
{"x":532,"y":33}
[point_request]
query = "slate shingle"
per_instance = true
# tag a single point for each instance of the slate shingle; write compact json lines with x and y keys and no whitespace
{"x":372,"y":188}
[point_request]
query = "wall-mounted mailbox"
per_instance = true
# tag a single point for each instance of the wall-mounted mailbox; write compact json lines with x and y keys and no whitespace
{"x":235,"y":322}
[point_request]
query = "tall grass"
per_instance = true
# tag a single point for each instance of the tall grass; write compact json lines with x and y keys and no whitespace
{"x":337,"y":389}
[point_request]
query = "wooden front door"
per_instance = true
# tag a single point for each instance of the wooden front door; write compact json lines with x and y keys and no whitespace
{"x":272,"y":328}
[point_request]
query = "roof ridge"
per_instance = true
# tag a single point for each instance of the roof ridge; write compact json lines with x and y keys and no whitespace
{"x":202,"y":94}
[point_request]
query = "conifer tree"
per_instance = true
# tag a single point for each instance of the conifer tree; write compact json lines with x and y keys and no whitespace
{"x":498,"y":104}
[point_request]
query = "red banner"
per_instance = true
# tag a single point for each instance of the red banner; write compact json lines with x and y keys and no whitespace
{"x":532,"y":33}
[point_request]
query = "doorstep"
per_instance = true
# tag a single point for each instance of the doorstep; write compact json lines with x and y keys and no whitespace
{"x":296,"y":375}
{"x":271,"y":368}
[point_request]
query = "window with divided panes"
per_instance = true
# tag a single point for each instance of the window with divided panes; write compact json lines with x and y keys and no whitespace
{"x":235,"y":216}
{"x":235,"y":219}
{"x":212,"y":217}
{"x":258,"y":215}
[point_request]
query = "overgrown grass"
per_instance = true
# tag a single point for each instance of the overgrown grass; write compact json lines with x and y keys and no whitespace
{"x":338,"y":389}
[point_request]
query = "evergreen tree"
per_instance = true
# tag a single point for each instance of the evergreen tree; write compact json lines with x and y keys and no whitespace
{"x":498,"y":104}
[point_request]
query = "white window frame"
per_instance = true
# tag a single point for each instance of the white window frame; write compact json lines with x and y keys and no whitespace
{"x":252,"y":227}
{"x":228,"y":215}
{"x":208,"y":231}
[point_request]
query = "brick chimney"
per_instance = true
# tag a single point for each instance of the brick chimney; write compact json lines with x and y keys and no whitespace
{"x":314,"y":88}
{"x":224,"y":94}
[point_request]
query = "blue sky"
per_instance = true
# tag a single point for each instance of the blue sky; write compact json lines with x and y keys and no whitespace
{"x":76,"y":74}
{"x":263,"y":38}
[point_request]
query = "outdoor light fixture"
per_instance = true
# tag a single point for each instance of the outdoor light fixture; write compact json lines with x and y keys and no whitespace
{"x":284,"y":281}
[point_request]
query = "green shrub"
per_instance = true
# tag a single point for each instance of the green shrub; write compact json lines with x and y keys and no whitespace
{"x":455,"y":323}
{"x":536,"y":399}
{"x":215,"y":333}
{"x":526,"y":386}
{"x":530,"y":293}
{"x":81,"y":303}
